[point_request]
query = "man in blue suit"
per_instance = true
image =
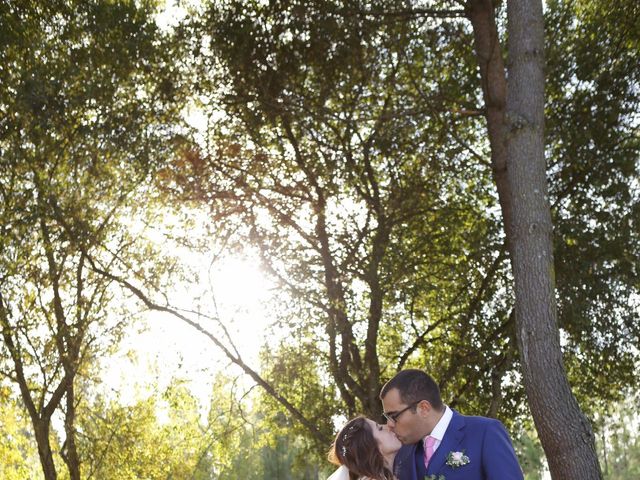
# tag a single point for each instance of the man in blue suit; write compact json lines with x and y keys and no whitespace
{"x":439,"y":442}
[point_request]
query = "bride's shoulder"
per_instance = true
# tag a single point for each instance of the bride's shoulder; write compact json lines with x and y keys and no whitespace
{"x":341,"y":473}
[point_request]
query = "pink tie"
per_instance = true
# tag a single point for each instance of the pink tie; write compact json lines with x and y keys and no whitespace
{"x":429,"y":442}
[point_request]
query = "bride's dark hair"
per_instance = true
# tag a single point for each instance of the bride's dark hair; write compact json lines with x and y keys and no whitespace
{"x":357,"y":449}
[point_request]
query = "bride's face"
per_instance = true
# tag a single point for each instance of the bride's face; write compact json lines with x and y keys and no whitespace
{"x":386,"y":439}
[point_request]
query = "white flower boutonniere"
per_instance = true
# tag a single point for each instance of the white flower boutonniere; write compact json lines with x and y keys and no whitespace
{"x":457,"y":459}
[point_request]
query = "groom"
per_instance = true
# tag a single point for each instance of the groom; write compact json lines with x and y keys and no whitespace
{"x":439,"y":441}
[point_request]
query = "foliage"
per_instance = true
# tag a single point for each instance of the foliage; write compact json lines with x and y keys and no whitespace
{"x":530,"y":453}
{"x":593,"y":149}
{"x":349,"y":171}
{"x":333,"y":141}
{"x":302,"y":381}
{"x":618,"y":439}
{"x":122,"y":441}
{"x":254,"y":439}
{"x":18,"y":455}
{"x":87,"y":109}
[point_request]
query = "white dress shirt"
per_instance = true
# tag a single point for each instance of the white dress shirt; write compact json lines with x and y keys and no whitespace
{"x":441,"y":427}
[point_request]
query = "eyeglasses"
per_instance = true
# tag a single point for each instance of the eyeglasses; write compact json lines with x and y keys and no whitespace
{"x":393,"y":416}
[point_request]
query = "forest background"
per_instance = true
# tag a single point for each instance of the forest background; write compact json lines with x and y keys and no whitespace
{"x":343,"y":156}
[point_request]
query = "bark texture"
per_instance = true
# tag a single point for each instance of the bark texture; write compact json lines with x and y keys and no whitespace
{"x":481,"y":13}
{"x":564,"y":431}
{"x":41,"y":429}
{"x":515,"y":125}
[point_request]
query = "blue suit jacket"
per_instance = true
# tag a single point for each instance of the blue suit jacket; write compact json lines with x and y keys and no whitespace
{"x":484,"y":440}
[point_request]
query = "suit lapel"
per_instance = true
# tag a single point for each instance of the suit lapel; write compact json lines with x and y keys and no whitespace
{"x":452,"y":438}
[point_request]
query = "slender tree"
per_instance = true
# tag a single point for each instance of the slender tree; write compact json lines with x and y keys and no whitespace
{"x":81,"y":124}
{"x":517,"y":125}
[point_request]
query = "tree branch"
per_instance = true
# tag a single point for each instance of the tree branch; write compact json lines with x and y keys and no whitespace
{"x":230,"y":355}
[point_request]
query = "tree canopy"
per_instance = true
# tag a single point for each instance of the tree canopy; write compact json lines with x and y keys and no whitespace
{"x":353,"y":147}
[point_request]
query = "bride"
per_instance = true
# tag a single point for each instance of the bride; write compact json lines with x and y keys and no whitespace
{"x":365,"y":450}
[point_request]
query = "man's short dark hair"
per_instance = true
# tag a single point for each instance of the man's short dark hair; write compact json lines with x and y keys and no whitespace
{"x":413,"y":386}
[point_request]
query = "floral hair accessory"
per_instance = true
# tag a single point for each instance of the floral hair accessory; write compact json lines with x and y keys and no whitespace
{"x":345,"y":437}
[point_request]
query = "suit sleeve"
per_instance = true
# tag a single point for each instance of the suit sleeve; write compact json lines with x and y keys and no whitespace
{"x":498,"y":456}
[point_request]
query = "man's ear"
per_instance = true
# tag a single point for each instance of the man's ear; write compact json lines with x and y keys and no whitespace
{"x":424,"y":408}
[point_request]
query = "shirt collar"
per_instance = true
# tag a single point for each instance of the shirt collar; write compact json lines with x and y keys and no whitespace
{"x":441,"y":427}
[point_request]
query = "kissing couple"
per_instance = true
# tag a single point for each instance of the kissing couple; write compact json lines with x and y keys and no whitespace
{"x":423,"y":439}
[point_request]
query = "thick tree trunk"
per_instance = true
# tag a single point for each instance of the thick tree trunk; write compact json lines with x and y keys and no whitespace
{"x":41,"y":430}
{"x":515,"y":130}
{"x":564,"y":431}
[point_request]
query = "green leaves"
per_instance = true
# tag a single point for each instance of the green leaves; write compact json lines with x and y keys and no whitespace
{"x":82,"y":128}
{"x":593,"y":154}
{"x":342,"y":158}
{"x":352,"y":156}
{"x":130,"y":441}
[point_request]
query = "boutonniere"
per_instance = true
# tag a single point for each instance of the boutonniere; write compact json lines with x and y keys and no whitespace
{"x":434,"y":477}
{"x":457,"y":459}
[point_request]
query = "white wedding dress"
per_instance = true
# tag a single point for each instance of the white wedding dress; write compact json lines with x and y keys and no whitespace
{"x":340,"y":474}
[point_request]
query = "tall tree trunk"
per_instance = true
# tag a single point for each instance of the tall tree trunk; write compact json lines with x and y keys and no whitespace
{"x":70,"y":451}
{"x":564,"y":431}
{"x":515,"y":122}
{"x":41,"y":430}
